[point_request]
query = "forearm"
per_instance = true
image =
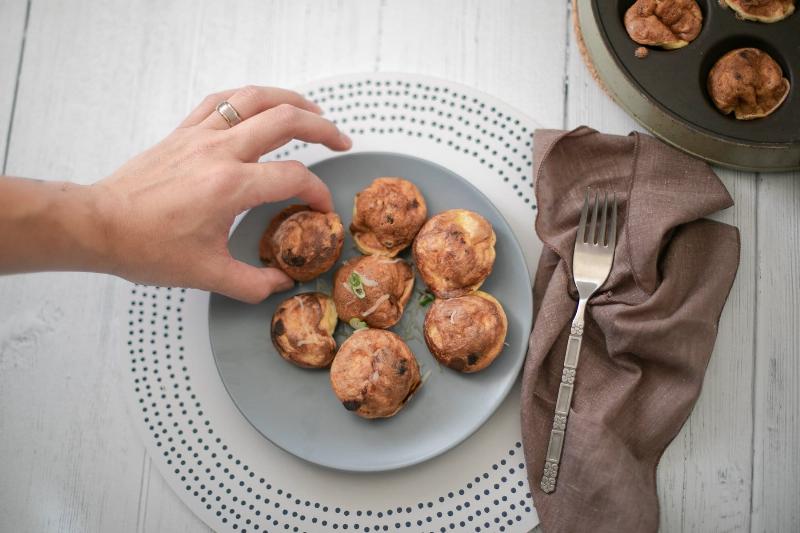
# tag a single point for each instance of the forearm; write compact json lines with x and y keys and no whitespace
{"x":51,"y":226}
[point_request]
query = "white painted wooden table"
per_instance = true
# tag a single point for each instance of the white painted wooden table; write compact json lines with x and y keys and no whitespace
{"x":86,"y":85}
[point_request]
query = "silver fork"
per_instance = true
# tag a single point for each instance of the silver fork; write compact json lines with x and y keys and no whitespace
{"x":591,"y":264}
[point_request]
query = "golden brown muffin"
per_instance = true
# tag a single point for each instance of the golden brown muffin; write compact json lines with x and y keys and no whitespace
{"x":466,"y":333}
{"x":761,"y":10}
{"x":302,"y":330}
{"x":666,"y":24}
{"x":454,"y":252}
{"x":301,"y":242}
{"x":387,"y":215}
{"x":373,"y":289}
{"x":374,"y":374}
{"x":748,"y":83}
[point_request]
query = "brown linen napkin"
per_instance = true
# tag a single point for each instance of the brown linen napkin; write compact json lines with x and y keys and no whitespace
{"x":648,"y":332}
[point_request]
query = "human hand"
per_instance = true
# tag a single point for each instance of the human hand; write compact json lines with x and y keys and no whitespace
{"x":167,"y":213}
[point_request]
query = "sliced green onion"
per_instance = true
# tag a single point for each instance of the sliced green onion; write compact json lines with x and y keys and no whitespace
{"x":357,"y":285}
{"x":426,"y":299}
{"x":356,"y":323}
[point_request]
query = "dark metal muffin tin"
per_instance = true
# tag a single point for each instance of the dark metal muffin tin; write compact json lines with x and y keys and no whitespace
{"x":667,"y":93}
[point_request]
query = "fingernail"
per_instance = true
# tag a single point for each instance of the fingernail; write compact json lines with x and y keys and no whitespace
{"x":346,"y":141}
{"x":285,"y":285}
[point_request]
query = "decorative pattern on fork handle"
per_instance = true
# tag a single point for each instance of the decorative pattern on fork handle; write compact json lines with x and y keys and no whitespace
{"x":563,"y":403}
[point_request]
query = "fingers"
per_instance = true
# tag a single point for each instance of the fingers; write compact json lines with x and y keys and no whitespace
{"x":206,"y":107}
{"x":280,"y":180}
{"x":252,"y":100}
{"x":250,"y":284}
{"x":275,"y":127}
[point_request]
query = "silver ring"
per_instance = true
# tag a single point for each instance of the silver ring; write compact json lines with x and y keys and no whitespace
{"x":229,"y":113}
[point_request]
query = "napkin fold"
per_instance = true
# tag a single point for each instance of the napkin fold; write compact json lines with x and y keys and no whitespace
{"x":648,"y":332}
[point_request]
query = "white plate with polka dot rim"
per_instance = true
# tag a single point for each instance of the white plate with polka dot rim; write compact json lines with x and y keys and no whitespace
{"x":233,"y":478}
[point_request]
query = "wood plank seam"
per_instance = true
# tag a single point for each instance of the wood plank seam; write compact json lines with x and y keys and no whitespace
{"x":191,"y":100}
{"x":16,"y":86}
{"x":379,"y":36}
{"x":753,"y":382}
{"x":144,"y":486}
{"x":568,"y":39}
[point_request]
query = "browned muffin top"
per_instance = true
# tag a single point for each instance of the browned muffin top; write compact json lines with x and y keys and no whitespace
{"x":373,"y":289}
{"x":387,"y":215}
{"x":374,"y":374}
{"x":301,"y":242}
{"x":466,"y":333}
{"x":748,"y":83}
{"x":454,"y":252}
{"x":302,"y":330}
{"x":664,"y":23}
{"x":761,"y":10}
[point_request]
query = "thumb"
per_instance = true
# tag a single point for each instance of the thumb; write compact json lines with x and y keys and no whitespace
{"x":251,"y":284}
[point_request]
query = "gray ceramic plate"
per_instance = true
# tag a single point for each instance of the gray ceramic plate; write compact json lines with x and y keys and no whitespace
{"x":296,"y":408}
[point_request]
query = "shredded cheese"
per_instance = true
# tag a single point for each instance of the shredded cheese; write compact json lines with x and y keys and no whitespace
{"x":375,"y":306}
{"x":303,"y":342}
{"x":368,"y":282}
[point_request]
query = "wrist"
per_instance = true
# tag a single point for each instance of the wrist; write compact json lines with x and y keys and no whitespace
{"x":82,"y":217}
{"x":103,"y":213}
{"x":50,"y":226}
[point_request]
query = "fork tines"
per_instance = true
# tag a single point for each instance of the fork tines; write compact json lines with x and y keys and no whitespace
{"x":605,"y":237}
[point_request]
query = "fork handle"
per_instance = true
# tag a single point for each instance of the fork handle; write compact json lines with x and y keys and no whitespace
{"x":564,"y":401}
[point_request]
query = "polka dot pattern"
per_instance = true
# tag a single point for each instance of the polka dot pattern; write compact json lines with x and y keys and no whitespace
{"x":437,"y":113}
{"x":211,"y":473}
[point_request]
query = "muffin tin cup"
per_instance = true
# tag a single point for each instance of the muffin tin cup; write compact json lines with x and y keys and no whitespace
{"x":666,"y":91}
